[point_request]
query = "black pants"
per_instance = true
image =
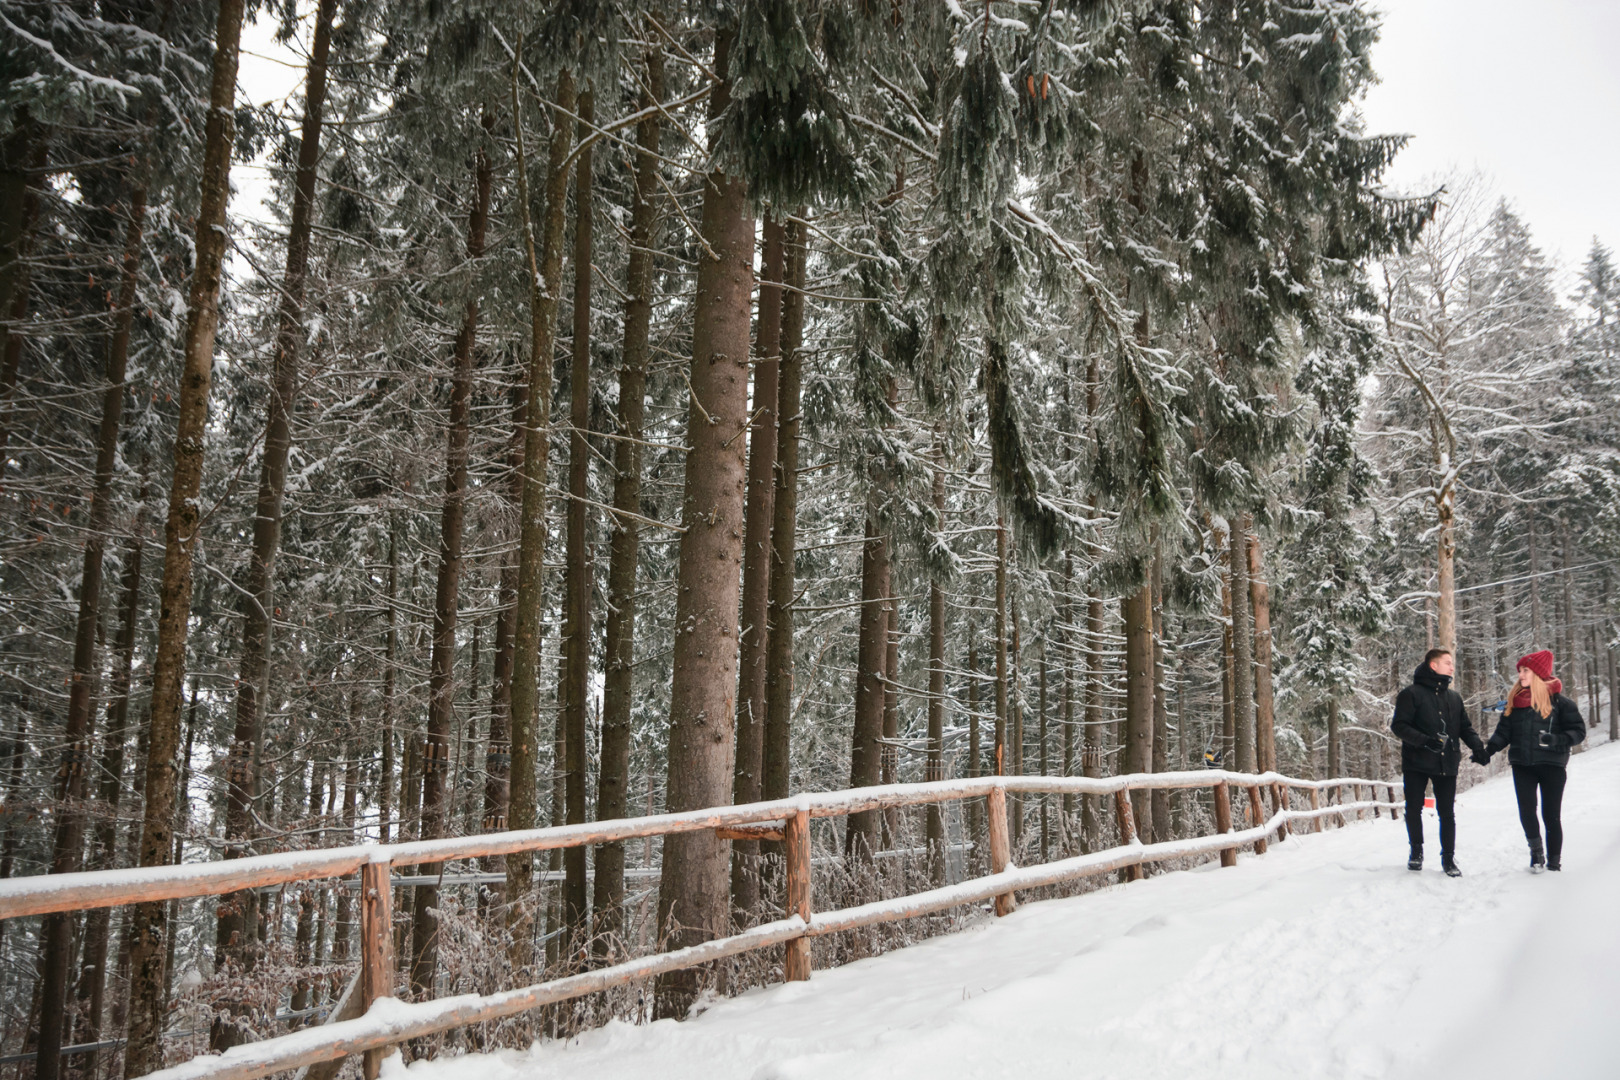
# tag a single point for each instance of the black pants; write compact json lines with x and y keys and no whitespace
{"x":1445,"y":802}
{"x":1550,"y":779}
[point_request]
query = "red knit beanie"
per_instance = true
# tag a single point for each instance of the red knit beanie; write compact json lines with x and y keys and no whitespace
{"x":1539,"y":662}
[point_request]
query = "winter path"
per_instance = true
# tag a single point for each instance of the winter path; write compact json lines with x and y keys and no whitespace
{"x":1324,"y":958}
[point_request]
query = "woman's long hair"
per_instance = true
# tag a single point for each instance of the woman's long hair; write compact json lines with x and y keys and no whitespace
{"x":1540,"y":697}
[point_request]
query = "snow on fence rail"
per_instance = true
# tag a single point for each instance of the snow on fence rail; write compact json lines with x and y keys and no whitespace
{"x":387,"y":1021}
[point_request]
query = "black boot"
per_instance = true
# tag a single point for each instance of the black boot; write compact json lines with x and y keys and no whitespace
{"x":1449,"y":865}
{"x":1415,"y":860}
{"x":1538,"y":860}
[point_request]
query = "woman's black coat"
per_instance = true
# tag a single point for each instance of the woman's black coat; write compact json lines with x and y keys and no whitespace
{"x":1430,"y":711}
{"x":1520,"y":731}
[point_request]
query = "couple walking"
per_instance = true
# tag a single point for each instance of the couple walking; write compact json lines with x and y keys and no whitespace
{"x":1537,"y":728}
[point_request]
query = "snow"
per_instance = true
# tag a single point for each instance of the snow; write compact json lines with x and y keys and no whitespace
{"x":1323,"y":958}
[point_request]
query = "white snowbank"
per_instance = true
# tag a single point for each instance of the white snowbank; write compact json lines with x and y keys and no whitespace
{"x":1323,"y":958}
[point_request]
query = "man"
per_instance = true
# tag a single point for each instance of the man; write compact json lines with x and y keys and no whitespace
{"x":1432,"y":724}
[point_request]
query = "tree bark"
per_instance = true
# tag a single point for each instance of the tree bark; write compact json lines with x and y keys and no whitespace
{"x":784,"y":510}
{"x":24,"y":157}
{"x":1159,"y":799}
{"x":871,"y":650}
{"x":1264,"y":699}
{"x":385,"y":782}
{"x":694,"y":894}
{"x":1446,"y":557}
{"x":71,"y":780}
{"x":148,"y":928}
{"x":545,"y":282}
{"x":258,"y":609}
{"x":1242,"y":645}
{"x":1538,"y":624}
{"x":1066,"y":640}
{"x":1000,"y":751}
{"x":98,"y":923}
{"x":613,"y":786}
{"x":975,"y":769}
{"x":935,"y":770}
{"x":754,"y":640}
{"x":576,"y":643}
{"x":441,"y":677}
{"x":1136,"y":611}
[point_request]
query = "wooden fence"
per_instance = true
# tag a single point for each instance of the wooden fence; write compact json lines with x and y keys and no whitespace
{"x":383,"y":1021}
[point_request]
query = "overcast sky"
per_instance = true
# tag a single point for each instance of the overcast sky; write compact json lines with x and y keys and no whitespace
{"x":1525,"y":91}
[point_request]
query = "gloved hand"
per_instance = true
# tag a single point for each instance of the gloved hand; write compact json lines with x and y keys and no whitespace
{"x":1481,"y":757}
{"x":1435,"y":743}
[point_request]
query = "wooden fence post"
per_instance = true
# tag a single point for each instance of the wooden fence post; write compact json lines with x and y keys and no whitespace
{"x":1127,"y":829}
{"x":1000,"y":846}
{"x":1316,"y":804}
{"x":376,"y":945}
{"x":1259,"y":812}
{"x":1279,"y":795}
{"x":1394,"y":803}
{"x":796,"y":845}
{"x":1223,"y":821}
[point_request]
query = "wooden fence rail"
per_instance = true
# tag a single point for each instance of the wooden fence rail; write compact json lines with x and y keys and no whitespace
{"x":385,"y":1021}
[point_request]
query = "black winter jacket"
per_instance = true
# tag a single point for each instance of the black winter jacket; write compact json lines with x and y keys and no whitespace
{"x":1430,"y":709}
{"x":1520,"y":730}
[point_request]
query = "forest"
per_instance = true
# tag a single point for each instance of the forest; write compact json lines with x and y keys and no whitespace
{"x":621,"y":407}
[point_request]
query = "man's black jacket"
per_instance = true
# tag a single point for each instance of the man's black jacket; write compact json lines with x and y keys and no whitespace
{"x":1429,"y":711}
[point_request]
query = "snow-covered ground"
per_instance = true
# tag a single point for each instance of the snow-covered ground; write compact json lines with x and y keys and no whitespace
{"x":1324,"y":958}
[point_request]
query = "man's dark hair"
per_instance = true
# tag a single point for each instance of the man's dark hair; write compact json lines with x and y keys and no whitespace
{"x":1434,"y":654}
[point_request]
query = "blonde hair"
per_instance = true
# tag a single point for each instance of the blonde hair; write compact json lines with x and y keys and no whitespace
{"x":1540,"y":698}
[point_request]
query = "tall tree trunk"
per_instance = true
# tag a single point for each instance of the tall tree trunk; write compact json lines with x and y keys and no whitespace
{"x":545,"y":284}
{"x":1538,"y":624}
{"x":784,"y":510}
{"x":1614,"y":695}
{"x":148,"y":926}
{"x":889,"y":769}
{"x":754,"y":640}
{"x":385,"y":782}
{"x":871,"y":650}
{"x":18,"y":156}
{"x":1000,"y":746}
{"x":1136,"y":611}
{"x":618,"y":691}
{"x":1566,"y":643}
{"x":1242,"y":646}
{"x":975,"y":760}
{"x":98,"y":923}
{"x":1091,"y":752}
{"x":1228,"y":677}
{"x":237,"y":912}
{"x":1334,"y":760}
{"x":441,"y":677}
{"x":22,"y":158}
{"x":576,"y":644}
{"x":344,"y":920}
{"x":68,"y":846}
{"x":694,"y":893}
{"x":936,"y":686}
{"x":1015,"y":702}
{"x":1160,"y":798}
{"x":1067,"y":652}
{"x":1265,"y":703}
{"x":1046,"y":766}
{"x":1446,"y":559}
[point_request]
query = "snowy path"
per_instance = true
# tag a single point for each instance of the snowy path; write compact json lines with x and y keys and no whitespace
{"x":1324,"y":958}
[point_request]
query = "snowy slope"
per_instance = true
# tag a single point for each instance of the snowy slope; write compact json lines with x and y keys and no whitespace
{"x":1324,"y":958}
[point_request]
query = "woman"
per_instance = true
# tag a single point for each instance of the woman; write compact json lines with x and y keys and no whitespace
{"x":1538,"y":728}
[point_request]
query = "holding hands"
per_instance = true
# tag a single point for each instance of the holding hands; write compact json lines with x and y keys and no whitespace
{"x":1481,"y":757}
